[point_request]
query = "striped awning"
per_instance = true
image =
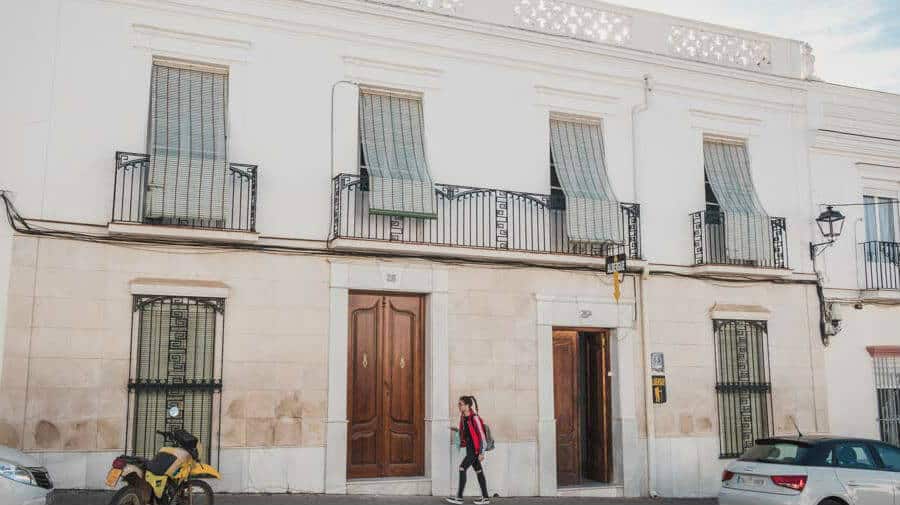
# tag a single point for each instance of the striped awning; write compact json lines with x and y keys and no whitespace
{"x":748,"y":233}
{"x":187,"y":143}
{"x":592,"y":210}
{"x":393,"y":143}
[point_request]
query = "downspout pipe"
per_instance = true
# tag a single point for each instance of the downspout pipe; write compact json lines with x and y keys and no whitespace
{"x":644,"y":305}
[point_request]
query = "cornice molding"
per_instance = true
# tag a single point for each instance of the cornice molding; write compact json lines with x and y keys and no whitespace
{"x":485,"y":50}
{"x":865,"y":149}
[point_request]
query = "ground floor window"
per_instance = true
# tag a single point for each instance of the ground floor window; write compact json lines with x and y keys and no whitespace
{"x":743,"y":384}
{"x":887,"y":390}
{"x":175,"y":377}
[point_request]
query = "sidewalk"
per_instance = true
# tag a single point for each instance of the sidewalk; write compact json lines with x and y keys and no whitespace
{"x":101,"y":498}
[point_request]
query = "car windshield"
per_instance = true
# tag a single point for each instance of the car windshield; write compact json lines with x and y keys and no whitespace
{"x":776,"y":451}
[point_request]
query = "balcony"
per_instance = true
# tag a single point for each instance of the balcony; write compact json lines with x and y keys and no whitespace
{"x":477,"y":218}
{"x":754,"y":244}
{"x":235,"y":206}
{"x":881,"y":265}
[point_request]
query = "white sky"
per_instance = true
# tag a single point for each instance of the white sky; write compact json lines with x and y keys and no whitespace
{"x":855,"y":42}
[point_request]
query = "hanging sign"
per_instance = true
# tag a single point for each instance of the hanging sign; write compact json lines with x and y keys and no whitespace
{"x":659,"y":388}
{"x":615,"y":263}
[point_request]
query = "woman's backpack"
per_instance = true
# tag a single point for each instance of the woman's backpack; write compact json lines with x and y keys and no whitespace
{"x":488,"y":438}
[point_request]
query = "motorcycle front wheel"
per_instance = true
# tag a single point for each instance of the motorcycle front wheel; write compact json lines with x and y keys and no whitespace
{"x":128,"y":495}
{"x":194,"y":492}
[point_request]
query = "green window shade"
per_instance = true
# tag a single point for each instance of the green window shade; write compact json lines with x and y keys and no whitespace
{"x":393,"y":143}
{"x":188,"y":162}
{"x":592,"y":210}
{"x":748,"y":233}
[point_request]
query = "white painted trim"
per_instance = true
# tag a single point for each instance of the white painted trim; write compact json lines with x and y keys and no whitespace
{"x":739,"y":312}
{"x":593,"y":313}
{"x":178,"y":232}
{"x":390,"y":277}
{"x":161,"y":41}
{"x":179,"y":287}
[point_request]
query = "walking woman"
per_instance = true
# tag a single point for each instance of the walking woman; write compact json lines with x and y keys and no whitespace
{"x":472,"y":437}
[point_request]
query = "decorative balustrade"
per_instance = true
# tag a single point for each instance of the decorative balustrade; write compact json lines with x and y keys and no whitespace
{"x":751,"y":242}
{"x":881,"y":264}
{"x":235,"y":206}
{"x":564,"y":18}
{"x":475,"y":218}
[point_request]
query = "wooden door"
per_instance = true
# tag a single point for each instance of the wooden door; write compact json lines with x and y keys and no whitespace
{"x":566,"y":405}
{"x":386,"y":407}
{"x":598,"y":453}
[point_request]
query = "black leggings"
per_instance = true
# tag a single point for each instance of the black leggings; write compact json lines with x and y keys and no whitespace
{"x":471,"y":459}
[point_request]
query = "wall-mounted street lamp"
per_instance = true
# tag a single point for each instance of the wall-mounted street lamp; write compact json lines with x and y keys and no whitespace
{"x":831,"y":224}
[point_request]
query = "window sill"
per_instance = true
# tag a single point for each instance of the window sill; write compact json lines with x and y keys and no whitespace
{"x":880,"y":294}
{"x":181,"y":233}
{"x":743,"y":271}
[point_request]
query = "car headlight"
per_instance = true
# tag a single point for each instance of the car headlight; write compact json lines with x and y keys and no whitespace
{"x":17,"y":473}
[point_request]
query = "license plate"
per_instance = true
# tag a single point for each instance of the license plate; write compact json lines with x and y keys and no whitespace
{"x":751,"y":481}
{"x":113,"y":477}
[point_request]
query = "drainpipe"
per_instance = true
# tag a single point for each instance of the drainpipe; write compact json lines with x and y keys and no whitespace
{"x":635,"y":110}
{"x":645,"y":309}
{"x":648,"y":401}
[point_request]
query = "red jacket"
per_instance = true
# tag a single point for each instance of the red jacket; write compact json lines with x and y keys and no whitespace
{"x":472,"y":428}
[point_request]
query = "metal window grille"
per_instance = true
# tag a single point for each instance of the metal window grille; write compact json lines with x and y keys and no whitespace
{"x":743,"y":387}
{"x":175,"y":378}
{"x":887,"y":388}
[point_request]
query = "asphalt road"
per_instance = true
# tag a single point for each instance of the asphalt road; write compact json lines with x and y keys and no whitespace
{"x":101,"y":498}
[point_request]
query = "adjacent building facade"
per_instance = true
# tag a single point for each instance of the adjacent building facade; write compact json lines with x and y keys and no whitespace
{"x":302,"y":229}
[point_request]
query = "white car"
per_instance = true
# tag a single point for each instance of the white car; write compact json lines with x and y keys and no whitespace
{"x":814,"y":470}
{"x":22,"y":480}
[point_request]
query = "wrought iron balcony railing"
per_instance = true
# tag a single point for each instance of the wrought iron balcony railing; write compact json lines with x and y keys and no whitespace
{"x":881,"y":264}
{"x":749,"y":241}
{"x":476,"y":218}
{"x":130,"y":194}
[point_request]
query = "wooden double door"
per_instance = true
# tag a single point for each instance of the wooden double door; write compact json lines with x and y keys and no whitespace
{"x":581,"y":386}
{"x":386,"y":407}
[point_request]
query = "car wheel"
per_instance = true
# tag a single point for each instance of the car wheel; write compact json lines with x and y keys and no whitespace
{"x":832,"y":501}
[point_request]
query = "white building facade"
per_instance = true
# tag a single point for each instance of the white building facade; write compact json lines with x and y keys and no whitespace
{"x":302,"y":229}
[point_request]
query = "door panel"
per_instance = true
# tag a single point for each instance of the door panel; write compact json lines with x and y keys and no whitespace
{"x":363,"y":409}
{"x":598,"y":465}
{"x":402,"y":394}
{"x":858,"y":471}
{"x":386,"y":381}
{"x":565,"y":403}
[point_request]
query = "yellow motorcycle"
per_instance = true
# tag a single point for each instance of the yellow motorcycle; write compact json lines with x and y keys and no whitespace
{"x":172,"y":477}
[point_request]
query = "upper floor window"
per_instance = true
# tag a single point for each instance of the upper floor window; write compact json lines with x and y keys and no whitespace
{"x":392,"y":139}
{"x":881,"y":218}
{"x":578,"y":165}
{"x":734,"y":228}
{"x":188,"y":181}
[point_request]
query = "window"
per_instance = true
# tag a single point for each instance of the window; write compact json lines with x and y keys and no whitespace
{"x":785,"y":453}
{"x":890,"y":456}
{"x":887,"y":390}
{"x":188,"y":182}
{"x":854,"y":455}
{"x":881,"y":218}
{"x":743,"y":387}
{"x":392,"y":154}
{"x":175,"y":375}
{"x":738,"y":228}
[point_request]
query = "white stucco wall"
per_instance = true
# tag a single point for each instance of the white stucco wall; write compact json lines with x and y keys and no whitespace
{"x":80,"y":93}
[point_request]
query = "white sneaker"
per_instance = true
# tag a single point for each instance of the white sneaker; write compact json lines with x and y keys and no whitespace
{"x":482,"y":501}
{"x":454,"y":500}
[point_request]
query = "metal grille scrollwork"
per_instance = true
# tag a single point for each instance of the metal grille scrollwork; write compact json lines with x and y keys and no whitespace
{"x":743,"y":384}
{"x":477,"y":218}
{"x":175,"y":379}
